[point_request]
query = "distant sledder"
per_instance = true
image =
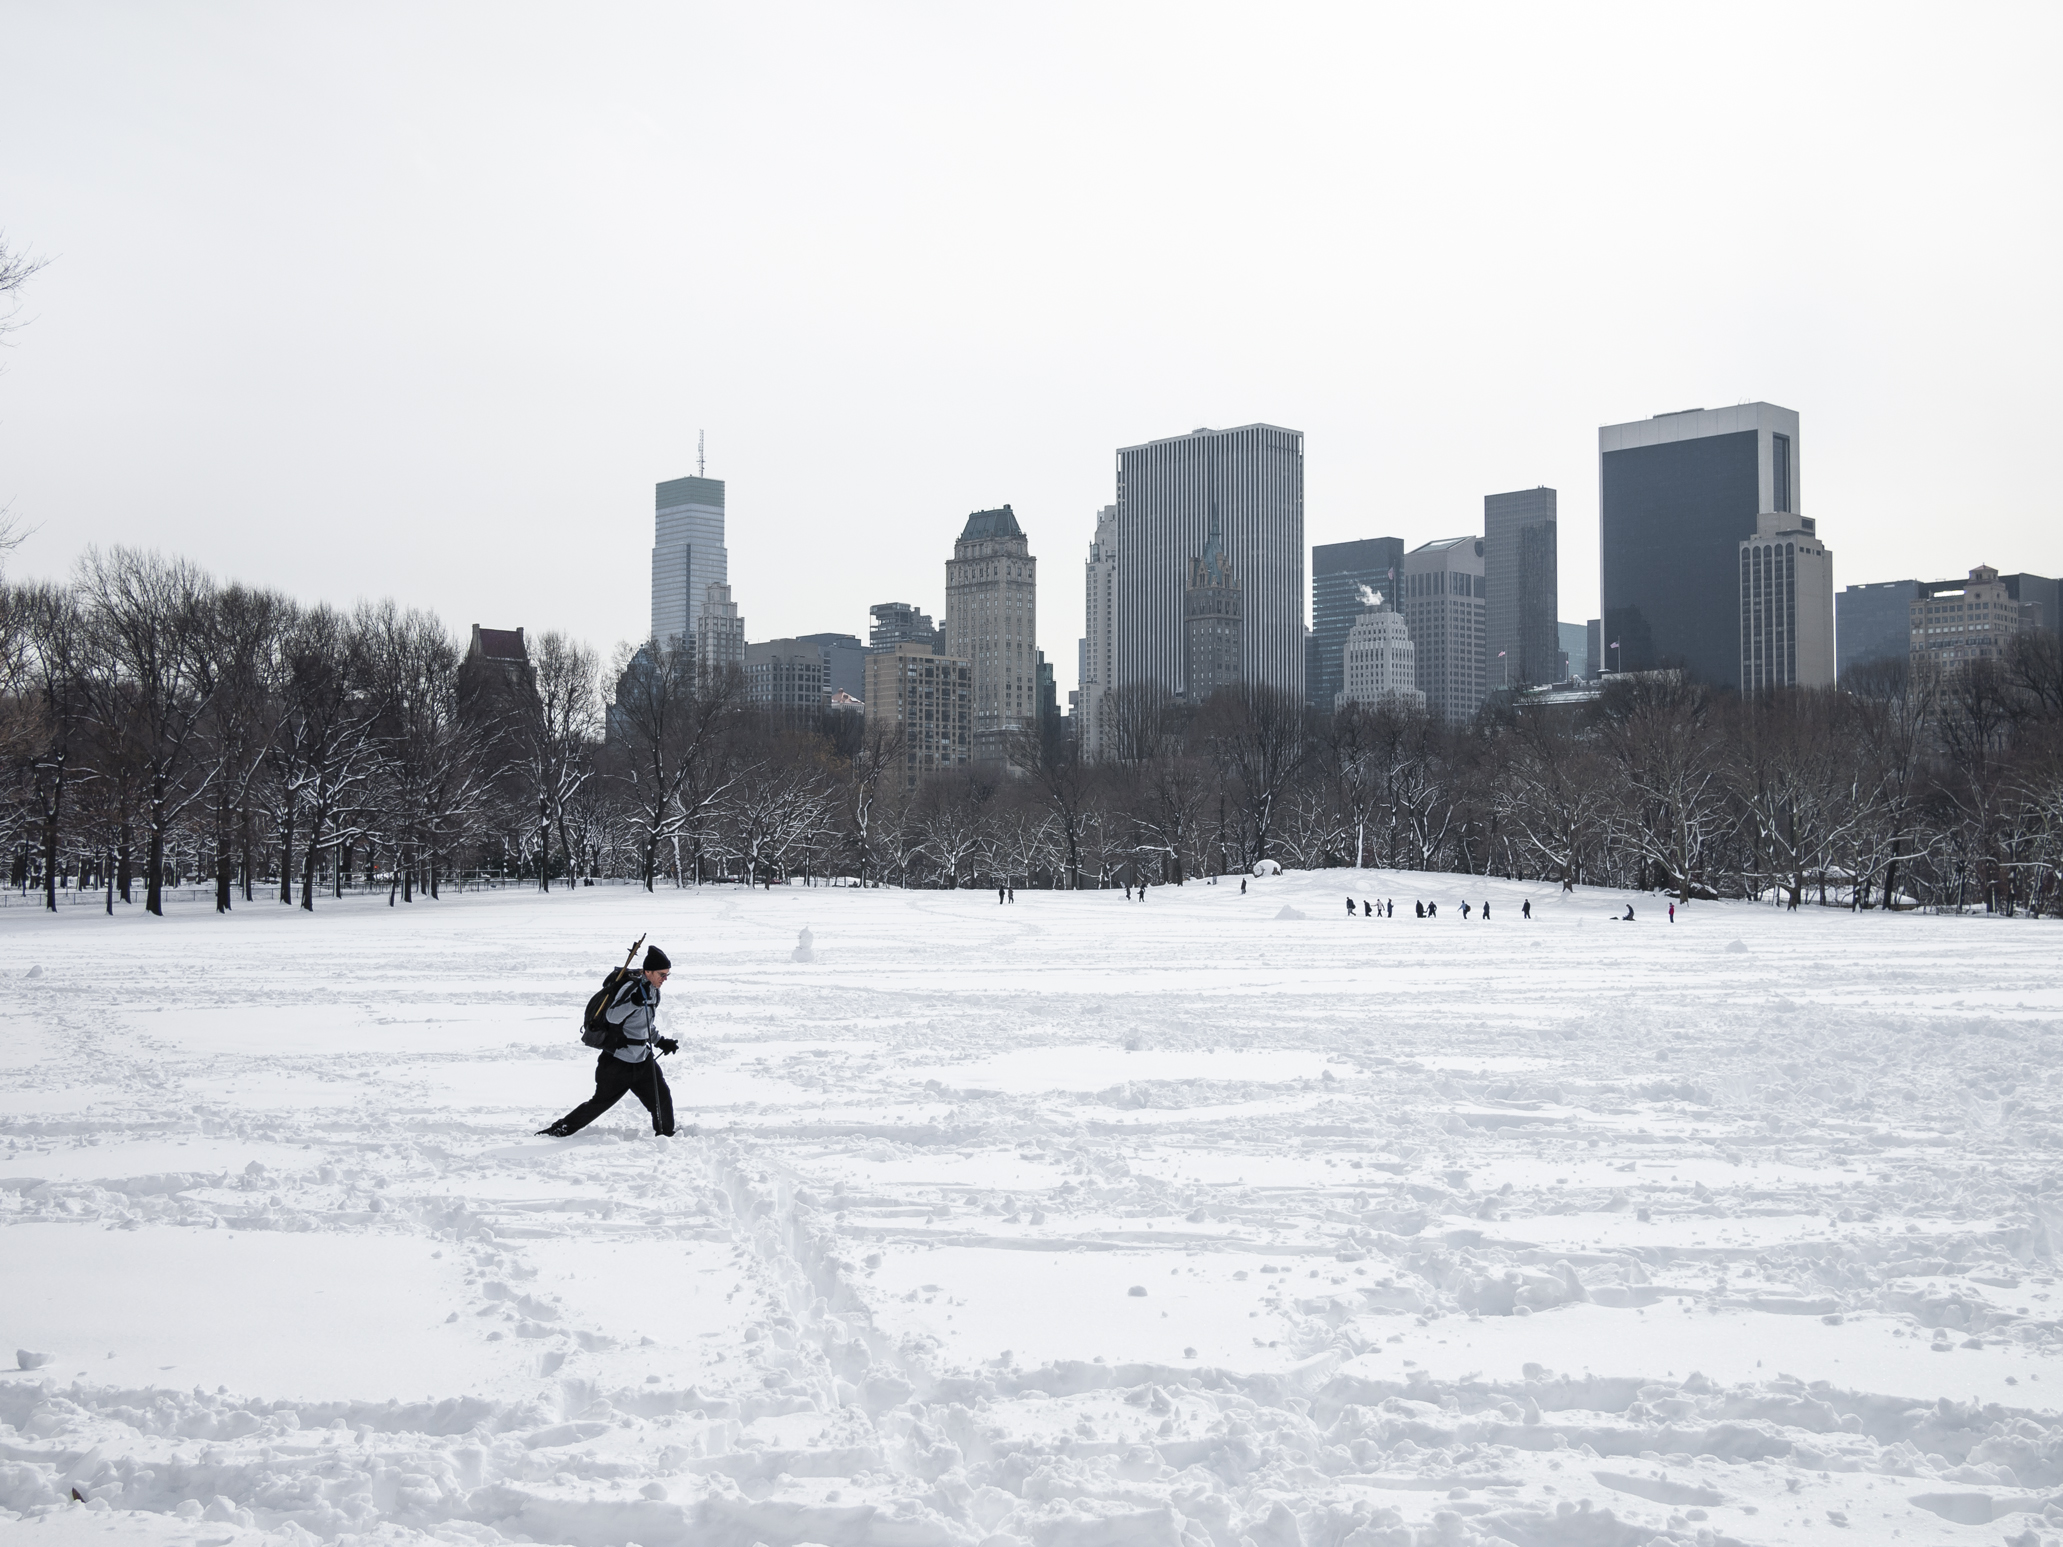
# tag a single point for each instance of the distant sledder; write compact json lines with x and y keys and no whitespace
{"x":622,"y":1021}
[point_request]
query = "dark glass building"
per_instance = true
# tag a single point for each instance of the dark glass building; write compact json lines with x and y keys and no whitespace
{"x":1872,"y":622}
{"x":1339,"y":571}
{"x":1521,"y":645}
{"x":1677,"y":496}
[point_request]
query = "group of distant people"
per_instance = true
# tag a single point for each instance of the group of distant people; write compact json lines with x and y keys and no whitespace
{"x":1386,"y":908}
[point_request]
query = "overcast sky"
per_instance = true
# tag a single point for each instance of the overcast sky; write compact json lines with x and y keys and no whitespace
{"x":421,"y":300}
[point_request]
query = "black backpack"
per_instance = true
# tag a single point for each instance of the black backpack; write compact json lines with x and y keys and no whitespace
{"x":594,"y":1030}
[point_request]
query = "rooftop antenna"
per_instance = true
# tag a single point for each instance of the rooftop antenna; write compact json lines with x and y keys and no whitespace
{"x":698,"y":454}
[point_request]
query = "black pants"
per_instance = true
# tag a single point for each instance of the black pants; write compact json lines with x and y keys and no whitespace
{"x":613,"y":1079}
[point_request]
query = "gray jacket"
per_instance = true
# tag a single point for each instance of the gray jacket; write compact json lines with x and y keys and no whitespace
{"x":635,"y":1012}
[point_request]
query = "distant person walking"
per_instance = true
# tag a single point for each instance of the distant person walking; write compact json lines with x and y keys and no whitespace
{"x":1486,"y":910}
{"x":1464,"y":913}
{"x":1672,"y":913}
{"x":1128,"y":891}
{"x":1526,"y":907}
{"x":1242,"y":886}
{"x":1420,"y":907}
{"x":632,"y":1068}
{"x":1350,"y":907}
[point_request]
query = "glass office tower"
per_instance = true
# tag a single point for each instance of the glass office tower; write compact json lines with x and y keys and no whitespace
{"x":1677,"y":496}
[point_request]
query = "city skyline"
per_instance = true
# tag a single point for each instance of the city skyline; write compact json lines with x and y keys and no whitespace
{"x":456,"y":425}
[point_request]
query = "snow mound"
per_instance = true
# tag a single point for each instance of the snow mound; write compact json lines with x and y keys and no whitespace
{"x":1736,"y":948}
{"x":31,"y":1361}
{"x":35,"y":971}
{"x":1291,"y":913}
{"x":1267,"y":867}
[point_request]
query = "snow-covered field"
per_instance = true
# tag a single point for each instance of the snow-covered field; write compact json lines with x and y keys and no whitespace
{"x":1072,"y":1222}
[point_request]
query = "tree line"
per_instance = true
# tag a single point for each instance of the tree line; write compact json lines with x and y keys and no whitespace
{"x":162,"y":728}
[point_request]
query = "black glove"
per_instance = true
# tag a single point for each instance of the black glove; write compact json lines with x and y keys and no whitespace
{"x":668,"y":1045}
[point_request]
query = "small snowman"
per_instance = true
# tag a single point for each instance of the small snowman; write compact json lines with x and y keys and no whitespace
{"x":802,"y":951}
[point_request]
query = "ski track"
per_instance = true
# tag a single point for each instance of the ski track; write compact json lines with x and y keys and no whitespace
{"x":1071,"y":1222}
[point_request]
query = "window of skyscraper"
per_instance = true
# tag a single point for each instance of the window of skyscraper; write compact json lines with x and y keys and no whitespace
{"x":1780,"y":471}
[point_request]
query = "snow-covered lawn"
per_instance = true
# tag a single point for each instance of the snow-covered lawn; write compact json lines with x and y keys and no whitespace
{"x":1075,"y":1221}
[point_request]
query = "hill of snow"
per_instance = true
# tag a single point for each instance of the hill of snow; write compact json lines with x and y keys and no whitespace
{"x":1071,"y":1221}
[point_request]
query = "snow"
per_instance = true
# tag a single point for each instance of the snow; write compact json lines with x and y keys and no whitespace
{"x":1742,"y":1228}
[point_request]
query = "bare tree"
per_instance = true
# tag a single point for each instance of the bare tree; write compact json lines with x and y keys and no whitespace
{"x":1256,"y":736}
{"x":143,"y":613}
{"x":237,"y":660}
{"x":674,"y":729}
{"x":559,"y":720}
{"x":1067,"y":788}
{"x":58,"y":708}
{"x":1552,"y":794}
{"x":875,"y":765}
{"x":1659,"y":733}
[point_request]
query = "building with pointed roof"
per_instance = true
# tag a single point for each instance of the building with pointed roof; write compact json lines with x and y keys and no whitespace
{"x":991,"y":623}
{"x":1213,"y":620}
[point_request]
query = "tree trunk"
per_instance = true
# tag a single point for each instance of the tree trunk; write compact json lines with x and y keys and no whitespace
{"x":154,"y":883}
{"x":51,"y":811}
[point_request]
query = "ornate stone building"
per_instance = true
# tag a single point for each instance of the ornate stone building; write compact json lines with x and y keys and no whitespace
{"x":1213,"y":620}
{"x":1378,"y":663}
{"x":991,"y":612}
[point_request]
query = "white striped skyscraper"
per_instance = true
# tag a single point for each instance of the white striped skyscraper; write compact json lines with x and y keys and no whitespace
{"x":1254,"y":475}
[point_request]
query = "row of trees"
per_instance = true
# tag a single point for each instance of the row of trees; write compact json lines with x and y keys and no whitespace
{"x":159,"y":726}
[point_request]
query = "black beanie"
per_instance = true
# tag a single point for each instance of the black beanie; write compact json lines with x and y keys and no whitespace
{"x":655,"y":960}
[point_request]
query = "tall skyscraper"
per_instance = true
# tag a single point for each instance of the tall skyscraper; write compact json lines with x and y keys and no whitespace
{"x":719,"y":634}
{"x":1677,"y":496}
{"x":1379,"y":663}
{"x":1521,"y":589}
{"x":1211,"y":621}
{"x":898,"y":623}
{"x":991,"y":623}
{"x":1340,"y":574}
{"x":1785,"y":576}
{"x":1254,"y":475}
{"x":1873,"y":622}
{"x":688,"y":554}
{"x":1442,"y":603}
{"x":1098,"y":660}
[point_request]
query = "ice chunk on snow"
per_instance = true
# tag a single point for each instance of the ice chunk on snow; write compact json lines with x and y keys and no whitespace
{"x":28,"y":1360}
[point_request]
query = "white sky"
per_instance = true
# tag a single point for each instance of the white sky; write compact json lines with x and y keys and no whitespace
{"x":422,"y":300}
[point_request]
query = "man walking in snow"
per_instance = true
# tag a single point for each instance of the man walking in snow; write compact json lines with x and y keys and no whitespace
{"x":634,"y":1067}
